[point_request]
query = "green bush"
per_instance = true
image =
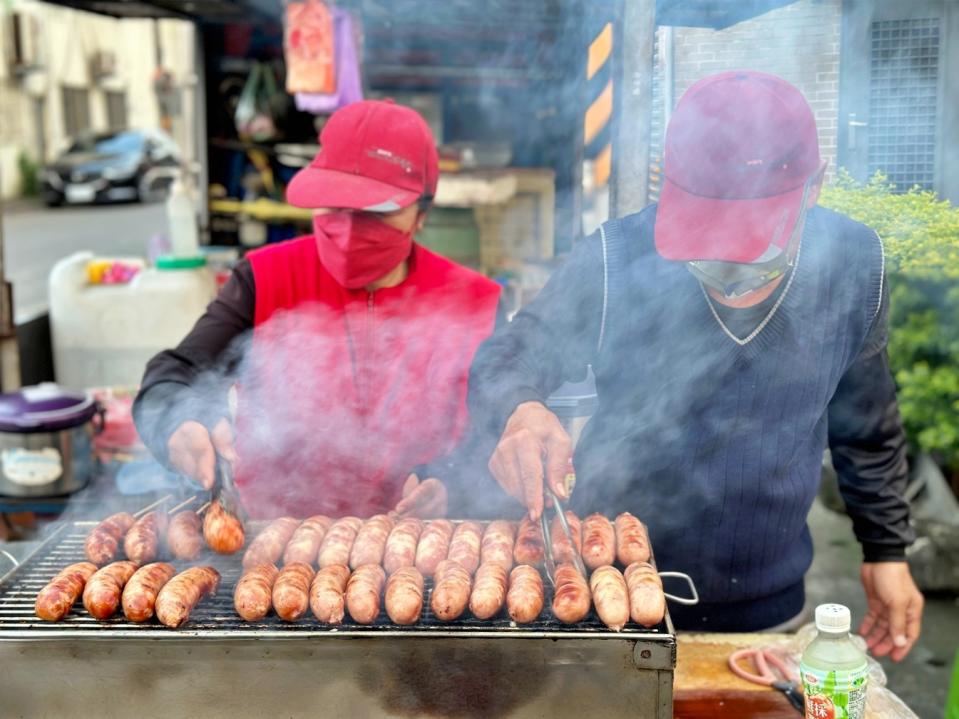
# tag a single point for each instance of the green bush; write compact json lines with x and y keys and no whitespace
{"x":29,"y":176}
{"x":921,"y":237}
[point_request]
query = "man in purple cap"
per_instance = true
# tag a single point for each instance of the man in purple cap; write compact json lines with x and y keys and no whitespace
{"x":735,"y":331}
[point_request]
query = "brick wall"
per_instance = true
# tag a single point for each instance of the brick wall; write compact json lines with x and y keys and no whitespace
{"x":799,"y":42}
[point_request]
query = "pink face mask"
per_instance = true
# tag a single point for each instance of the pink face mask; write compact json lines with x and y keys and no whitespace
{"x":358,"y":249}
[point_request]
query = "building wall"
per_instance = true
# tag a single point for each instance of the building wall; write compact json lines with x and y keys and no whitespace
{"x":799,"y":42}
{"x":67,"y":40}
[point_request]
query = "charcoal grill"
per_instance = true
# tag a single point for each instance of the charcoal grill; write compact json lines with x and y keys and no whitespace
{"x":218,"y":665}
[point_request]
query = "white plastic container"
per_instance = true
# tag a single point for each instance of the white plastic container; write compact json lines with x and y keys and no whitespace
{"x":182,"y":220}
{"x":105,"y":334}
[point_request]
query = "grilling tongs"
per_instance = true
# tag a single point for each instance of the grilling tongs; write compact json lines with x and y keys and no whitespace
{"x":224,"y":490}
{"x":549,"y":559}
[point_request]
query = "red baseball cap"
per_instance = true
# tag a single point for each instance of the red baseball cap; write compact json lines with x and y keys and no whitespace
{"x":376,"y":156}
{"x":740,"y":148}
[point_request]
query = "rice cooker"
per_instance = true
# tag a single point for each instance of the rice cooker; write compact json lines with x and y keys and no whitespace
{"x":46,"y":436}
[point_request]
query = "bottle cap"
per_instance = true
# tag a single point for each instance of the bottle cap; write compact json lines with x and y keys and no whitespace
{"x":833,"y":618}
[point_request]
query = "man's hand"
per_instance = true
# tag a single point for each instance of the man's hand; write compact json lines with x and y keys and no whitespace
{"x":892,"y":624}
{"x":192,"y":450}
{"x":426,"y":499}
{"x":533,"y":438}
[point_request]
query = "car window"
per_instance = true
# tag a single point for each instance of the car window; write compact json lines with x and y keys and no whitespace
{"x":112,"y":144}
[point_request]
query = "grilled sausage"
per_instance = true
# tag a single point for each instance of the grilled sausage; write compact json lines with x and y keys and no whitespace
{"x":291,"y":591}
{"x":433,"y":547}
{"x":647,"y":603}
{"x":304,"y":545}
{"x":101,"y":595}
{"x":610,"y":596}
{"x":599,"y":541}
{"x":562,"y":551}
{"x":328,"y":593}
{"x":465,"y":545}
{"x":267,"y":547}
{"x":336,"y":545}
{"x":632,"y":540}
{"x":183,"y":537}
{"x":371,"y":541}
{"x":530,"y":546}
{"x":526,"y":596}
{"x":61,"y":593}
{"x":497,"y":545}
{"x":363,"y":593}
{"x":140,"y":593}
{"x":104,"y":540}
{"x":404,"y":595}
{"x":222,"y":531}
{"x":142,"y":540}
{"x":489,"y":590}
{"x":401,"y":544}
{"x":451,"y":590}
{"x":571,"y":599}
{"x":181,"y":594}
{"x":253,"y":595}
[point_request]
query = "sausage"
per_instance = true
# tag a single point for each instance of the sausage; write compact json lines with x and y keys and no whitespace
{"x":401,"y":544}
{"x":526,"y":596}
{"x":489,"y":590}
{"x":433,"y":547}
{"x":142,"y":540}
{"x":363,"y":593}
{"x":530,"y":546}
{"x":451,"y":590}
{"x":101,"y":595}
{"x":571,"y":598}
{"x":465,"y":545}
{"x":253,"y":595}
{"x":181,"y":594}
{"x":562,"y":551}
{"x":498,"y":544}
{"x":291,"y":591}
{"x":632,"y":540}
{"x":404,"y":595}
{"x":304,"y":545}
{"x":647,"y":603}
{"x":371,"y":541}
{"x":222,"y":531}
{"x":336,"y":545}
{"x":140,"y":593}
{"x":61,"y":593}
{"x":328,"y":593}
{"x":102,"y":542}
{"x":267,"y":547}
{"x":610,"y":596}
{"x":183,"y":537}
{"x":599,"y":541}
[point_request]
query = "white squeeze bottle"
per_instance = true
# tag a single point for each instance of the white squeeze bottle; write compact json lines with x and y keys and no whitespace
{"x":833,"y":668}
{"x":182,"y":220}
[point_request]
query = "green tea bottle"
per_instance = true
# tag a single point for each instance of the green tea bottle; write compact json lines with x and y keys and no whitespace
{"x":833,"y":668}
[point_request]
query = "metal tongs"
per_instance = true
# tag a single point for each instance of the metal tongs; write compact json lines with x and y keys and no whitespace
{"x":549,"y":559}
{"x":224,"y":490}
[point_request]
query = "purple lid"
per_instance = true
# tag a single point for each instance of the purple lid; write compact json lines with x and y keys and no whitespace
{"x":44,"y":407}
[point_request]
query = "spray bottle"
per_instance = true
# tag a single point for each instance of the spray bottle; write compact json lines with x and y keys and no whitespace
{"x":182,"y":218}
{"x":833,"y":668}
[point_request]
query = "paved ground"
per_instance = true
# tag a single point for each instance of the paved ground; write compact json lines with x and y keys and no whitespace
{"x":36,"y":237}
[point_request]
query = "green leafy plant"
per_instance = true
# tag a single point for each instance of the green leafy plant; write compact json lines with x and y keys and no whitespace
{"x":29,"y":175}
{"x":921,"y":236}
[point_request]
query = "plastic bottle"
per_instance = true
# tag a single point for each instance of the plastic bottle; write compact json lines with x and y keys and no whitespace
{"x":833,"y":668}
{"x":182,"y":220}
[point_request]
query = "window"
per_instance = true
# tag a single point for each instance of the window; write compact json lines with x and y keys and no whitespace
{"x":76,"y":111}
{"x":116,"y":110}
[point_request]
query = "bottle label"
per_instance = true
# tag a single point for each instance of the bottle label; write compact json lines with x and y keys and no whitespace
{"x":834,"y":694}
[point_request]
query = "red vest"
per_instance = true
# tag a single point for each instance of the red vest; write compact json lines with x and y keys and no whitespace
{"x":344,"y":391}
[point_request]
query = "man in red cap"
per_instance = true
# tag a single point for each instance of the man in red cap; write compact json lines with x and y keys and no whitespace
{"x":350,"y":347}
{"x":735,"y":330}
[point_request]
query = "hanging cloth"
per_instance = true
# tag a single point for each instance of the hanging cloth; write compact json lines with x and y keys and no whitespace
{"x":309,"y":48}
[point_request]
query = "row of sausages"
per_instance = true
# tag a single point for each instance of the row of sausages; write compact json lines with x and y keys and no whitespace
{"x":334,"y":591}
{"x":141,"y":592}
{"x":184,"y":533}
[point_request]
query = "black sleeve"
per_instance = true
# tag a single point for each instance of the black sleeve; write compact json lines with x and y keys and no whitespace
{"x":868,"y":447}
{"x":191,"y":381}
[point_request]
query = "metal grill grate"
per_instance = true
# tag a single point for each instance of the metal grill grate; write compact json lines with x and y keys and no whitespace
{"x":216,"y":617}
{"x":902,"y":101}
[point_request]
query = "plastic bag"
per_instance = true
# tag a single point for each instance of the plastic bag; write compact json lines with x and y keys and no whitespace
{"x":349,"y":86}
{"x":253,"y":116}
{"x":308,"y":46}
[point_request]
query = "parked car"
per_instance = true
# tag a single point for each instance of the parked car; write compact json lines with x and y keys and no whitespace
{"x":112,"y":166}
